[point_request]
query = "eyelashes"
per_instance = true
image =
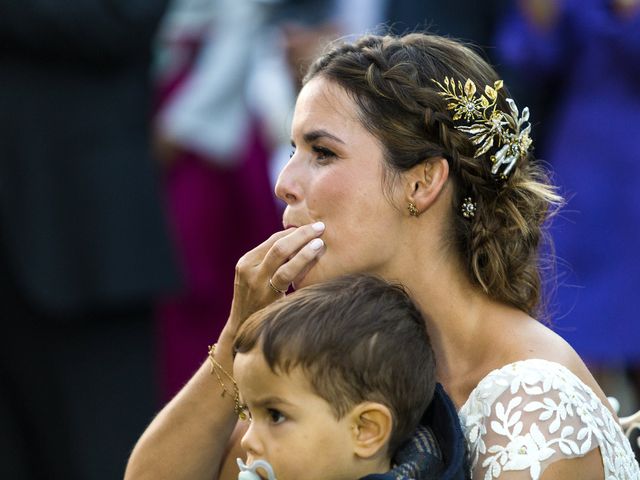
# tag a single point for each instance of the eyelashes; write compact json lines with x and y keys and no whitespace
{"x":275,"y":416}
{"x":321,"y":153}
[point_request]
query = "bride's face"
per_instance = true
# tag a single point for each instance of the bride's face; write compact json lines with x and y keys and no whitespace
{"x":336,"y":175}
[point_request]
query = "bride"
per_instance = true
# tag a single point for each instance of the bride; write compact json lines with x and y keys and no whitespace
{"x":410,"y":161}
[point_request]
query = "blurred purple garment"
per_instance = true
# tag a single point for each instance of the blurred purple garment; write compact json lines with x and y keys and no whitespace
{"x":217,"y":215}
{"x":592,"y":59}
{"x":219,"y":200}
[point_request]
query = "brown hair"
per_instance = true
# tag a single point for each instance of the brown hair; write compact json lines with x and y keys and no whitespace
{"x":358,"y":338}
{"x":391,"y":81}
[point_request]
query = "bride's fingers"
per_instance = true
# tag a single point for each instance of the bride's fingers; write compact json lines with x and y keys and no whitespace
{"x":248,"y":275}
{"x":255,"y":269}
{"x":256,"y":255}
{"x":286,"y":247}
{"x":287,"y":273}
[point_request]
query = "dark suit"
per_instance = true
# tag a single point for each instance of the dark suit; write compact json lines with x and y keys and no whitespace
{"x":83,"y":246}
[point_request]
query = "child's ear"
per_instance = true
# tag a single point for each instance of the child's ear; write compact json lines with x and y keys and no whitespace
{"x":371,"y":425}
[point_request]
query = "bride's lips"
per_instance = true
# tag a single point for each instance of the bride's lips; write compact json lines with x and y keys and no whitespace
{"x":288,"y":224}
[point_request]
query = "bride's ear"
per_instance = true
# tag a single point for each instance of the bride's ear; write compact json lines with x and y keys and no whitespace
{"x":426,"y":181}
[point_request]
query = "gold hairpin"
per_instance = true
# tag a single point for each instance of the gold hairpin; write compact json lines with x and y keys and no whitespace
{"x":488,"y":126}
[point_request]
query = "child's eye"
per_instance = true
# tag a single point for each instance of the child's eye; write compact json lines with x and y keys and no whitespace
{"x":275,"y":416}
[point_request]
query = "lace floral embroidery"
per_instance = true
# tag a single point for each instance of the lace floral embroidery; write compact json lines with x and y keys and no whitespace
{"x":529,"y":414}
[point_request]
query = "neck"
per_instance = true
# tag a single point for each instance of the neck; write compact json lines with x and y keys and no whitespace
{"x":470,"y":333}
{"x":453,"y":310}
{"x":461,"y":319}
{"x":371,"y":466}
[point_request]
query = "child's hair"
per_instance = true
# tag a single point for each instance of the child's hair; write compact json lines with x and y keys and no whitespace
{"x":357,"y":338}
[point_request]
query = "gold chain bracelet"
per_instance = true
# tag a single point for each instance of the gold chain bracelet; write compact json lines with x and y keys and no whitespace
{"x":217,"y":369}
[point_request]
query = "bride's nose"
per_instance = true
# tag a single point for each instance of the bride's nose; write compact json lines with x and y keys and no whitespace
{"x":289,"y":183}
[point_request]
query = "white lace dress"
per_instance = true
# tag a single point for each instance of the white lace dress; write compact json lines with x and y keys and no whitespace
{"x":529,"y":414}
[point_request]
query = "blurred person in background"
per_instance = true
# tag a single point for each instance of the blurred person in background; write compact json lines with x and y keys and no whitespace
{"x":462,"y":19}
{"x":222,"y":94}
{"x":586,"y":55}
{"x":83,"y":244}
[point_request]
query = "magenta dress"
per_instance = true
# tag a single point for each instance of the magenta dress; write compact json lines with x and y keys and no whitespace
{"x":216,"y":215}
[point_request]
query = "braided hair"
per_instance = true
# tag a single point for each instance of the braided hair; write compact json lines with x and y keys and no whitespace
{"x":391,"y":80}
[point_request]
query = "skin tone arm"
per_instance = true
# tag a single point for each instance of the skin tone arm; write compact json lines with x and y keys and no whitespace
{"x":192,"y":435}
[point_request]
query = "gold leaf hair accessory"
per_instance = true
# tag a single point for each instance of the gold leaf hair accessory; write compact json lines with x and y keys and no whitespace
{"x":488,"y":126}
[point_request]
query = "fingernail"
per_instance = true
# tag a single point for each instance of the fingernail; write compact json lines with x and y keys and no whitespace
{"x":318,"y":227}
{"x":316,"y":244}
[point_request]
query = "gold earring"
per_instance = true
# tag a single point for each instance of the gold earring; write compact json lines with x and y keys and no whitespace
{"x":413,"y":211}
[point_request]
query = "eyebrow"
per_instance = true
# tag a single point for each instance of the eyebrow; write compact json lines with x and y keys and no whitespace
{"x":313,"y":135}
{"x":274,"y":400}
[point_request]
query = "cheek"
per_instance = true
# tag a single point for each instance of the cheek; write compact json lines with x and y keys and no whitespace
{"x":314,"y":459}
{"x":360,"y":224}
{"x":342,"y":201}
{"x":332,"y":201}
{"x":328,"y":194}
{"x":357,"y":224}
{"x":292,"y":458}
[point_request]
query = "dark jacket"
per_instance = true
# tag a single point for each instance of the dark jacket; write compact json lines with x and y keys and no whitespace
{"x":80,"y":218}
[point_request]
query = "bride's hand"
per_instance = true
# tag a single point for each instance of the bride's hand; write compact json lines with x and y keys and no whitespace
{"x":278,"y":260}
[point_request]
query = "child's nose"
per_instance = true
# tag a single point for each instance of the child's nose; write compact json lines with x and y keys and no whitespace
{"x":250,"y":442}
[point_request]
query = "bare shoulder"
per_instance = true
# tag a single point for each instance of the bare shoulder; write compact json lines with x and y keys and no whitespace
{"x":536,"y":340}
{"x":505,"y":336}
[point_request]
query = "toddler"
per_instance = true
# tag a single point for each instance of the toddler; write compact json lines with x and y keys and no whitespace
{"x":334,"y":380}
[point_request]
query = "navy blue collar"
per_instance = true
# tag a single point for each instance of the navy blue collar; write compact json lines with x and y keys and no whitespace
{"x":437,"y":451}
{"x":442,"y":418}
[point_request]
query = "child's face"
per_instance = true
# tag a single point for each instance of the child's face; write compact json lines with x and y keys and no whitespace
{"x":291,"y":427}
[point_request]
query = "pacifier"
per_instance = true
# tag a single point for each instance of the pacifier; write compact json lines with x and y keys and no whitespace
{"x":250,"y":472}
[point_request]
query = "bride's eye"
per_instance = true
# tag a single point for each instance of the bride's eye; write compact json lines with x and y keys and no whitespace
{"x":323,"y":154}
